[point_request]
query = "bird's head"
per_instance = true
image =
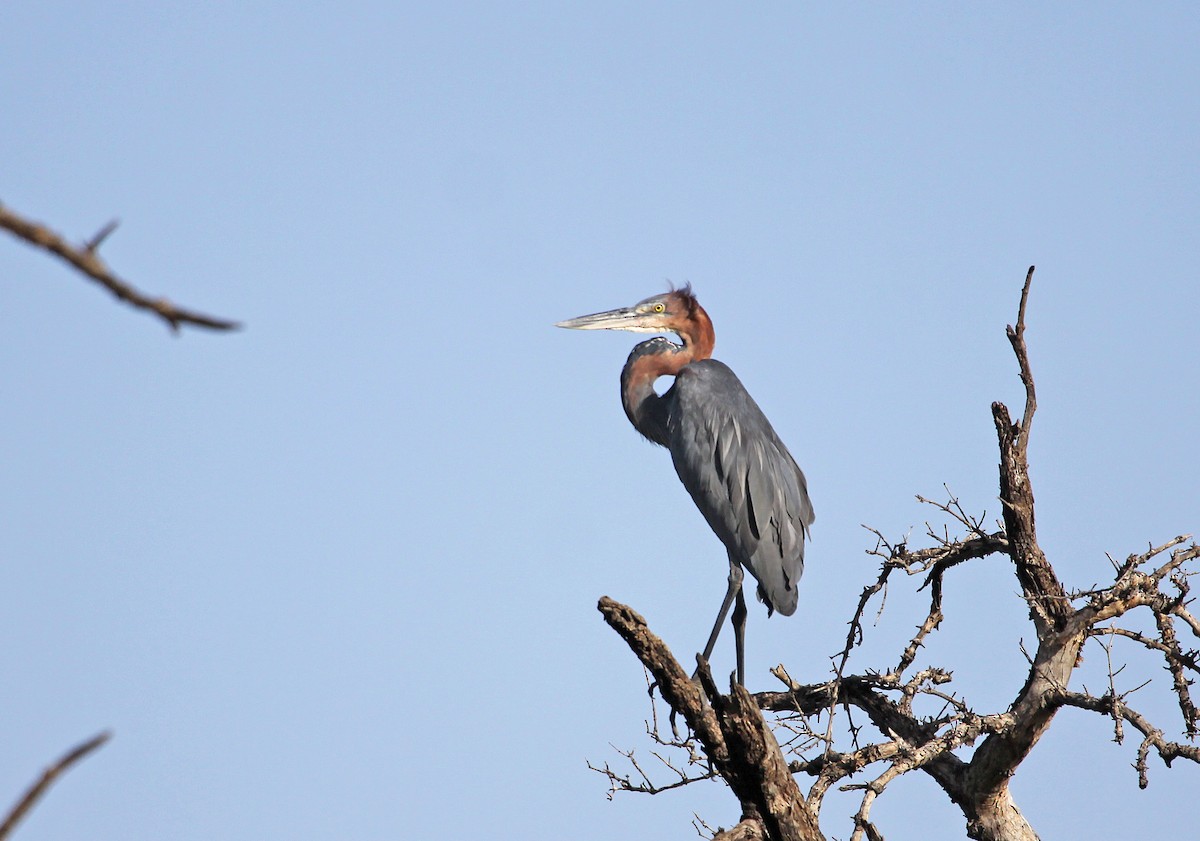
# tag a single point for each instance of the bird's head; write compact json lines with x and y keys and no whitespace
{"x":676,"y":312}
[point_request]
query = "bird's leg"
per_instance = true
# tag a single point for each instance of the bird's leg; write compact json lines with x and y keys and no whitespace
{"x":734,"y":592}
{"x":739,"y":635}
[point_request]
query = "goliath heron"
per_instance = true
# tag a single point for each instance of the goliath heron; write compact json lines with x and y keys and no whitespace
{"x":740,"y":475}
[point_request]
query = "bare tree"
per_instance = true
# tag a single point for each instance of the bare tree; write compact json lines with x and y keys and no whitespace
{"x":727,"y":735}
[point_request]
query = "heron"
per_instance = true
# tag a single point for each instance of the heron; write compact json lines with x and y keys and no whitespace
{"x":725,"y":451}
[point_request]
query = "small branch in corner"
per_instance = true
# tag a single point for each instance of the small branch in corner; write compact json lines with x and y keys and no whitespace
{"x":85,"y":260}
{"x":35,"y":792}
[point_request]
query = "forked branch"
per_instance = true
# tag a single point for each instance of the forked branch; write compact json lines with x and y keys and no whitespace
{"x":86,"y":260}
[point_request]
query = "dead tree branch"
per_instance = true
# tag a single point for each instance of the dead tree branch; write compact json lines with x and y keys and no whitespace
{"x":86,"y":260}
{"x":35,"y":792}
{"x":1153,"y":737}
{"x":731,"y":727}
{"x":1048,"y":604}
{"x":747,"y":830}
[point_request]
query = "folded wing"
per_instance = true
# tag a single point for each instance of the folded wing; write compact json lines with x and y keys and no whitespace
{"x":741,"y":477}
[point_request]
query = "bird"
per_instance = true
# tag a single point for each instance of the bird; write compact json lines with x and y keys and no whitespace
{"x":726,"y":453}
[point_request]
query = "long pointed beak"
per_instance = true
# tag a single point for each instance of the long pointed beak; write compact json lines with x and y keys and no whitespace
{"x":626,"y":318}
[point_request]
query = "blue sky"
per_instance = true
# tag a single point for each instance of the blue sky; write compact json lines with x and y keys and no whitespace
{"x":335,"y":575}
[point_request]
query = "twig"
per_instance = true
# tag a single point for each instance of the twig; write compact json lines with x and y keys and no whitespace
{"x":693,"y":757}
{"x":52,"y":773}
{"x":85,"y":260}
{"x":1016,"y":336}
{"x":1153,"y":737}
{"x":1188,"y":658}
{"x":100,"y":236}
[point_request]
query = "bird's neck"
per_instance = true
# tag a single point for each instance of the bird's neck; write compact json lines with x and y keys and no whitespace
{"x":646,"y":410}
{"x":698,"y":335}
{"x":658,"y":357}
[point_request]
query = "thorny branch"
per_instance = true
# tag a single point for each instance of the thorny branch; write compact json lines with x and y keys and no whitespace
{"x":1153,"y":737}
{"x":86,"y":260}
{"x":922,"y":725}
{"x":934,"y":561}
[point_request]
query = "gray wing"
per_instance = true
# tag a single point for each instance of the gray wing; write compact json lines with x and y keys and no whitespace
{"x":742,"y":478}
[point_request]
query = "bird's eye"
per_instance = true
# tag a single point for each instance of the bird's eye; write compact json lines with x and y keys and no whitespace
{"x":660,"y":308}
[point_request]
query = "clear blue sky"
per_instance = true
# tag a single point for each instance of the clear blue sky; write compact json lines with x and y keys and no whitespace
{"x":335,"y":576}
